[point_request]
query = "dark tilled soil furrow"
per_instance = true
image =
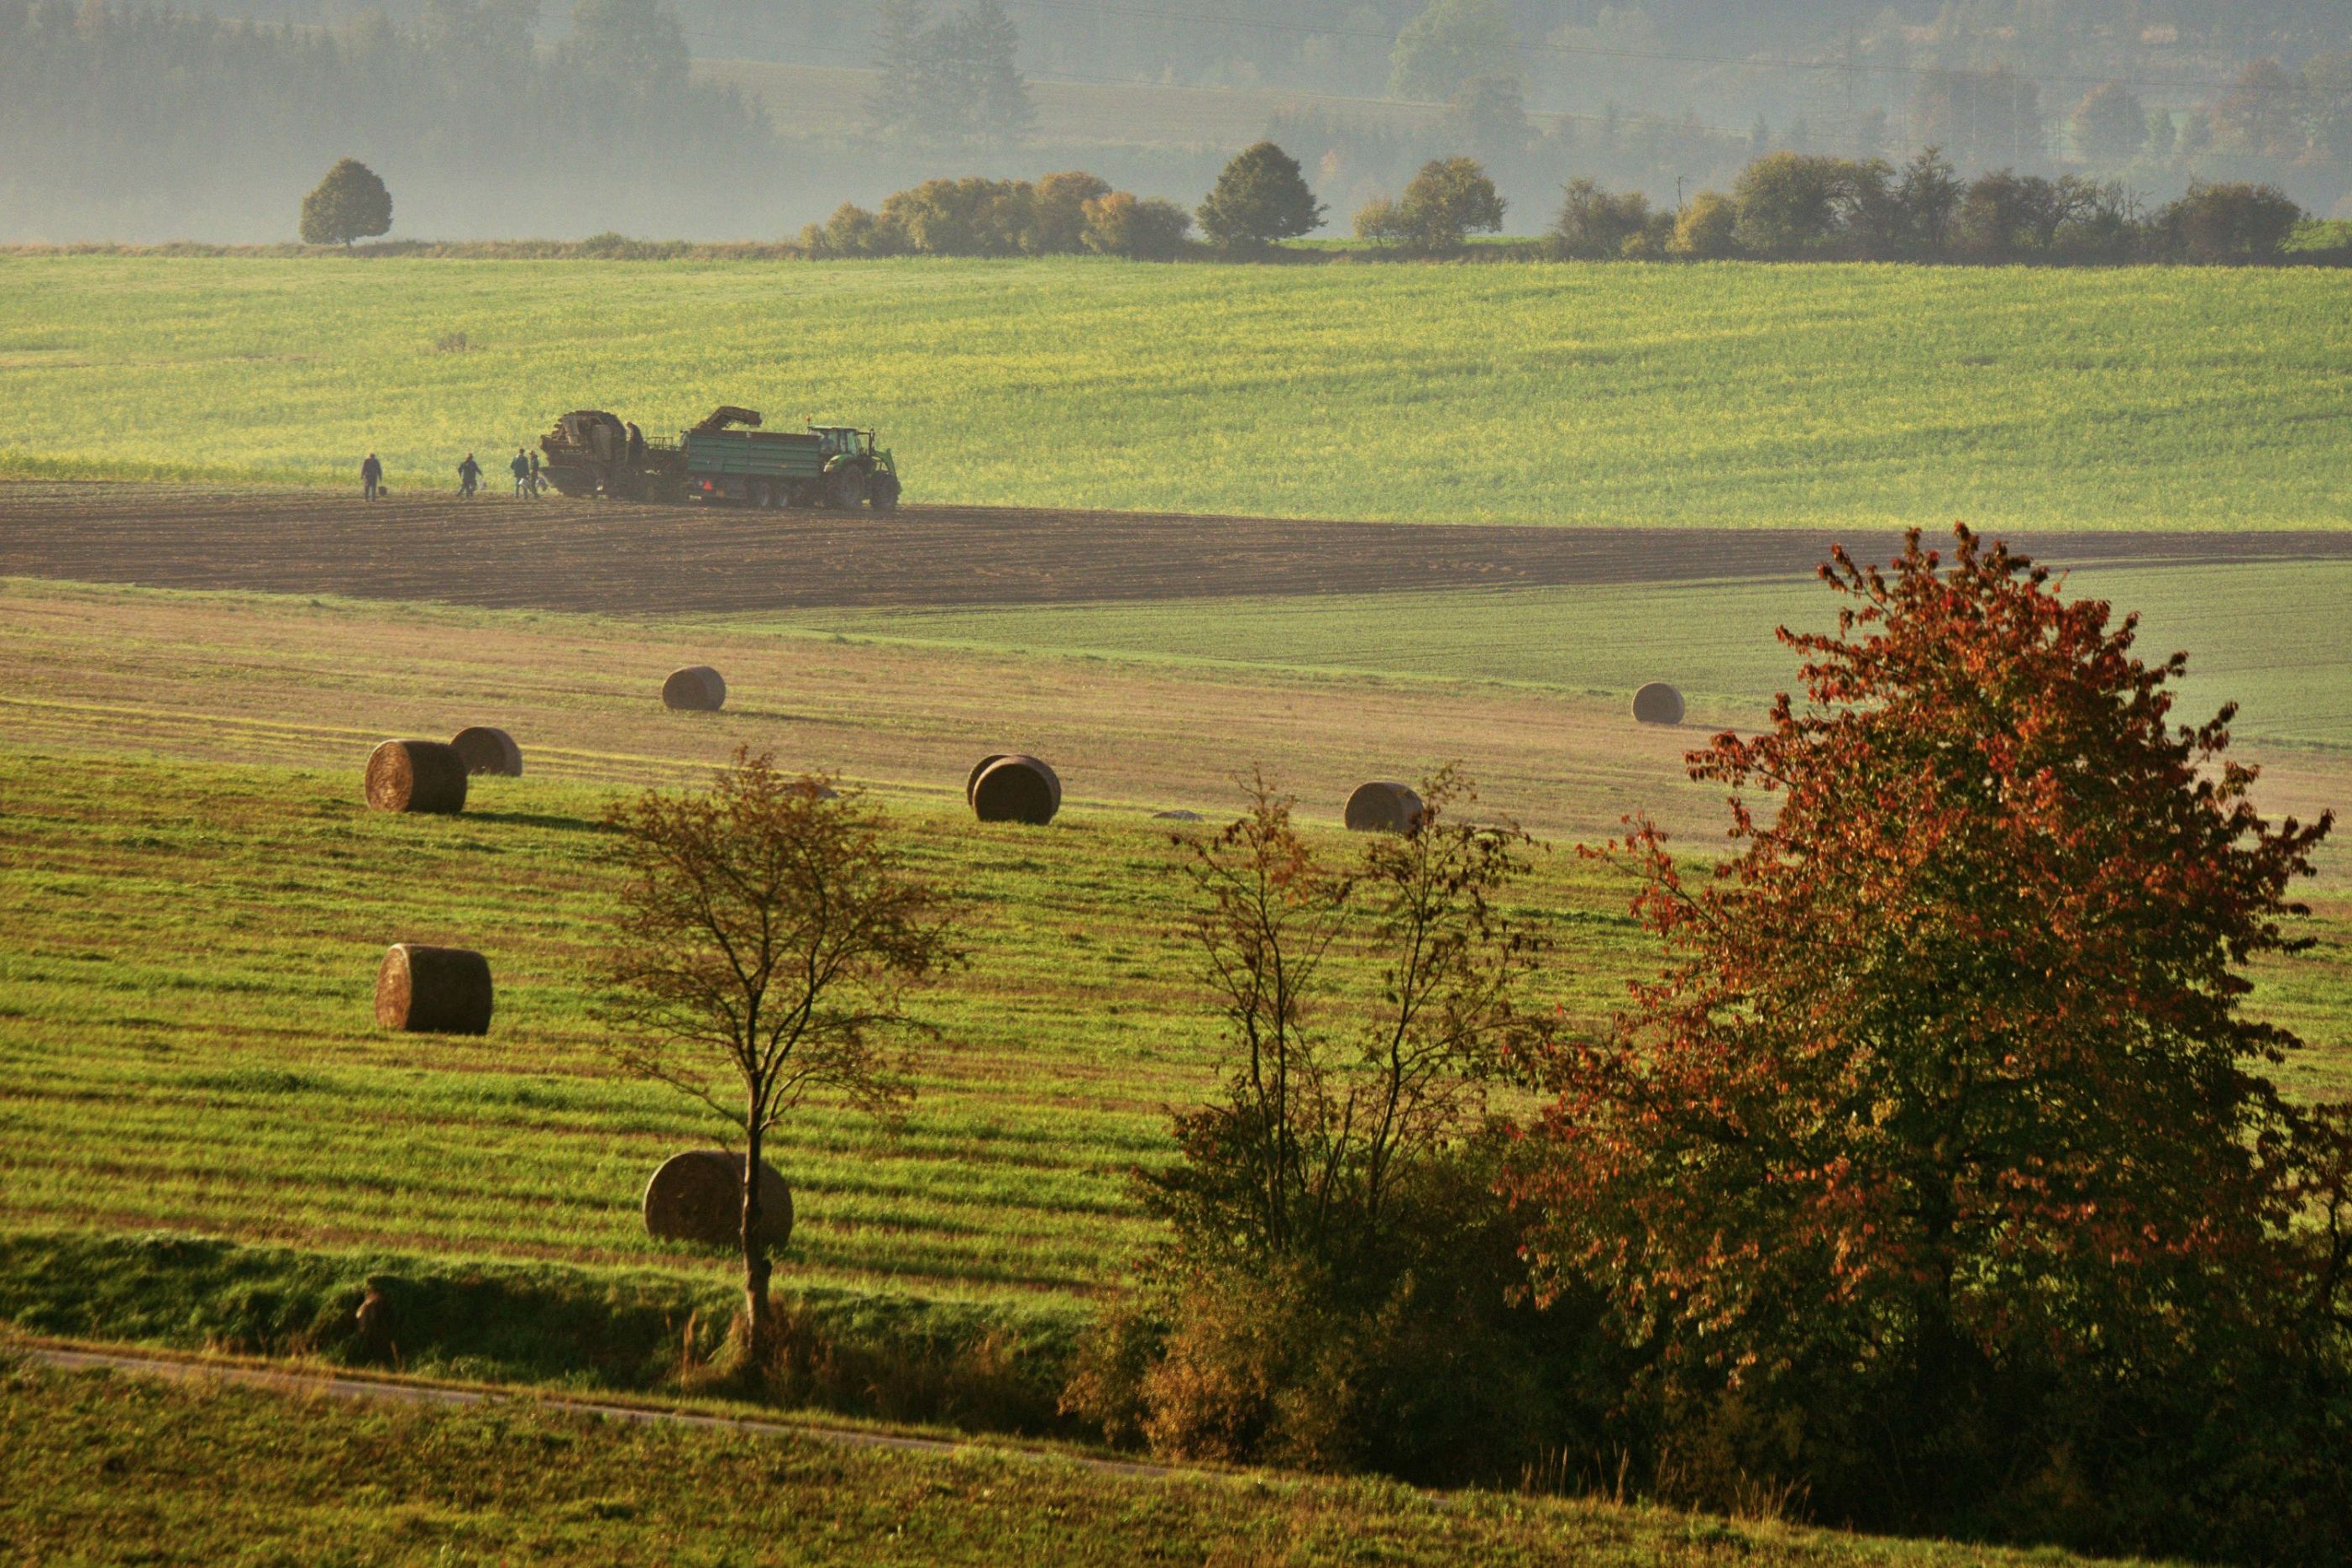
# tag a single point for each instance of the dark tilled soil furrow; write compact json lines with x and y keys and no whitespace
{"x":617,"y":559}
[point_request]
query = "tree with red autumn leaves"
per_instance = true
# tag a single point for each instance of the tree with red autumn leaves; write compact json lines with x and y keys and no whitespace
{"x":1946,"y":1087}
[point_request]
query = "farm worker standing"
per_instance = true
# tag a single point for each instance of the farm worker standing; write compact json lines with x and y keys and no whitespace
{"x":637,"y":443}
{"x":534,"y":474}
{"x":371,"y":476}
{"x":470,"y":474}
{"x":521,"y":469}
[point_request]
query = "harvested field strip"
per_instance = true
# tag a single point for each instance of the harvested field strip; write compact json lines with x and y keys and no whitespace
{"x":613,"y":558}
{"x":187,"y":956}
{"x":914,"y":718}
{"x":146,"y":671}
{"x":1856,"y":398}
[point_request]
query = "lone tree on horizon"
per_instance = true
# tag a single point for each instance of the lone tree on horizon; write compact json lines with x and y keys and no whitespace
{"x":351,"y":202}
{"x":1261,"y":197}
{"x":768,"y":935}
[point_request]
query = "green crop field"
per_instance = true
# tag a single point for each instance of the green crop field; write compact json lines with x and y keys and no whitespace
{"x":102,"y":1469}
{"x":1727,"y":395}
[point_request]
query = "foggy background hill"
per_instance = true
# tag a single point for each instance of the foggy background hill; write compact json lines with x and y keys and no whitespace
{"x":746,"y":119}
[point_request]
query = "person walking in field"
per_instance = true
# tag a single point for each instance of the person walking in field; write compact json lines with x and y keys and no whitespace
{"x":469,"y":476}
{"x":535,"y":475}
{"x":521,"y":469}
{"x":371,"y":476}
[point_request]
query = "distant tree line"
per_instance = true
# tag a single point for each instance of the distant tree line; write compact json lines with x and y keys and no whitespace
{"x":2276,"y":108}
{"x":1785,"y":206}
{"x":1070,"y":213}
{"x":1793,"y":207}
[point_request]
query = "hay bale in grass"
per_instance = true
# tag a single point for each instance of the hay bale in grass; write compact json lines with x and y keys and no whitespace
{"x":971,"y":779}
{"x":698,"y":688}
{"x":415,"y":776}
{"x":698,"y":1197}
{"x":1658,"y":702}
{"x":486,"y":750}
{"x":432,"y":990}
{"x":1384,"y":807}
{"x":1016,"y":789}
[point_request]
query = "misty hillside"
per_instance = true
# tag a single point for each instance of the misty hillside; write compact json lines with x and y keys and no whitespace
{"x":746,"y":119}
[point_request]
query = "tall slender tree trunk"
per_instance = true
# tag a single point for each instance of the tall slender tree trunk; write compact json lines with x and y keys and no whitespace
{"x":756,"y":1266}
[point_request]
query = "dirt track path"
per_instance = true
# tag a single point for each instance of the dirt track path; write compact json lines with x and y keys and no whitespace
{"x":613,"y":558}
{"x":390,"y":1391}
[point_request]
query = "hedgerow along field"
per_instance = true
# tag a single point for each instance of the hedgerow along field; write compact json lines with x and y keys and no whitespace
{"x":1718,"y":395}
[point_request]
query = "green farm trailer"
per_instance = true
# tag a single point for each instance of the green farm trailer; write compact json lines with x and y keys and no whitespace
{"x":725,"y":458}
{"x":826,"y":465}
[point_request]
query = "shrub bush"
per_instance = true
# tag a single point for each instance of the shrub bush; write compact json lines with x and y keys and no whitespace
{"x":1707,"y":229}
{"x":1117,"y":223}
{"x":1594,"y":225}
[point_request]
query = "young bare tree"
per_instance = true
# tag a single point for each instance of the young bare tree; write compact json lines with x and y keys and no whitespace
{"x":767,"y":937}
{"x":1334,"y":1289}
{"x":1332,"y":1100}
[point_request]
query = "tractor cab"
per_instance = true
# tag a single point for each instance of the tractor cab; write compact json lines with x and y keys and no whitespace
{"x":844,"y":440}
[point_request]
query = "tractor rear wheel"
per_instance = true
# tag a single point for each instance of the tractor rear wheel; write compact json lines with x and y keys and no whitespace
{"x":882,"y":494}
{"x":844,"y":489}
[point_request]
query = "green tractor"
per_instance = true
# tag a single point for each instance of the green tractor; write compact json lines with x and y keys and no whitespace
{"x":726,"y":458}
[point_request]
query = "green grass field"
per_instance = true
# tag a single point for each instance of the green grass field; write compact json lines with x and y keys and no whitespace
{"x":2263,"y":635}
{"x":105,"y":1470}
{"x":187,"y":959}
{"x":1612,"y":394}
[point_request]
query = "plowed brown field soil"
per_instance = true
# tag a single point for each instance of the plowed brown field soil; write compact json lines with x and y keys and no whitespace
{"x":617,"y":559}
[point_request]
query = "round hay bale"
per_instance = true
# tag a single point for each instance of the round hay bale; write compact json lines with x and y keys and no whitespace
{"x":486,"y":750}
{"x":698,"y":1197}
{"x":1384,"y":807}
{"x":415,"y":776}
{"x":432,"y":990}
{"x":1017,"y":789}
{"x":1658,"y":702}
{"x":698,"y":688}
{"x":971,"y":779}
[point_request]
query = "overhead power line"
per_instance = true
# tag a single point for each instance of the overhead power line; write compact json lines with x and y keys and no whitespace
{"x":1304,"y":29}
{"x":1065,"y":78}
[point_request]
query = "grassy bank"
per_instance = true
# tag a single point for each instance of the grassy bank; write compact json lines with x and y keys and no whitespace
{"x":1727,"y":394}
{"x":646,"y":1331}
{"x":104,"y":1468}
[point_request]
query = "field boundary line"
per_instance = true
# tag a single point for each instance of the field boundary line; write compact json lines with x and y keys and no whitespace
{"x":417,"y":1392}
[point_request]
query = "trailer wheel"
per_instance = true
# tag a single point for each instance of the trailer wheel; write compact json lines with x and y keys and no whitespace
{"x":882,"y":495}
{"x":844,"y":489}
{"x":759,"y":497}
